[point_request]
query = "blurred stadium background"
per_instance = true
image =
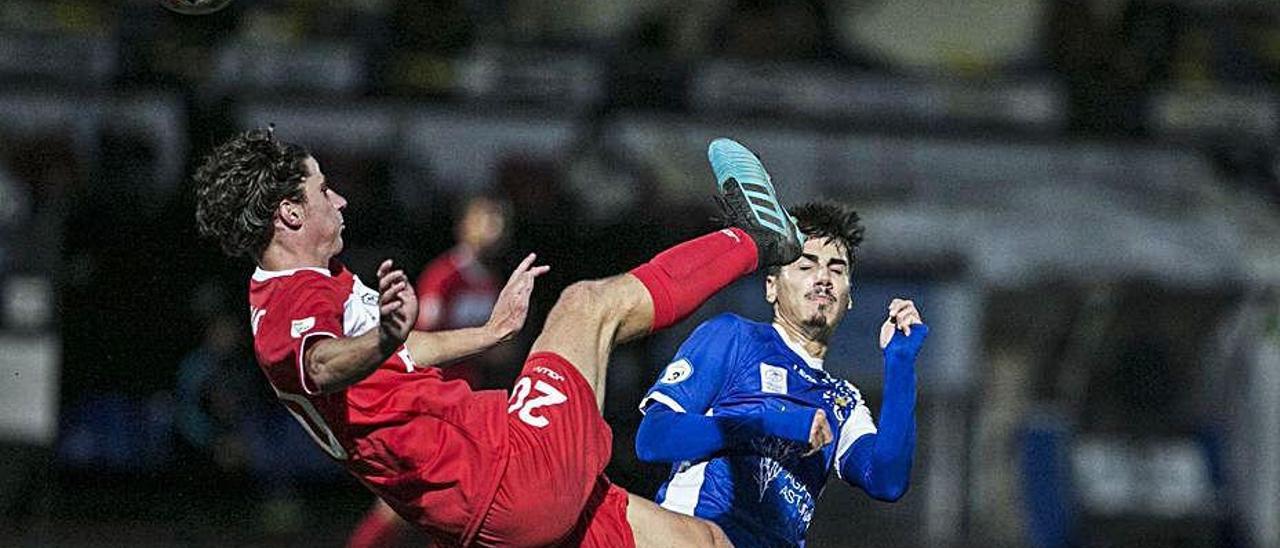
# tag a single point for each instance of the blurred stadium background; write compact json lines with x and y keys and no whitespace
{"x":1082,"y":195}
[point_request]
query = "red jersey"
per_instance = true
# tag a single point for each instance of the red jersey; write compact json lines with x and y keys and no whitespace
{"x":455,"y":290}
{"x":432,"y":448}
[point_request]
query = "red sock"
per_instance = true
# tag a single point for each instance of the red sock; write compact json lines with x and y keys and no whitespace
{"x":680,"y":279}
{"x":377,"y":530}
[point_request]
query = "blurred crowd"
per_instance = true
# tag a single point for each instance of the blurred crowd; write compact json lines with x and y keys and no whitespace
{"x":1110,"y":53}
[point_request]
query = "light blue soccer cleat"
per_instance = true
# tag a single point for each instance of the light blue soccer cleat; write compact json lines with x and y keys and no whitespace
{"x":749,"y":202}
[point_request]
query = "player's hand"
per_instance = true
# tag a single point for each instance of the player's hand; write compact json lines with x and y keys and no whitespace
{"x":819,"y":433}
{"x":902,"y":315}
{"x":397,"y":305}
{"x":512,"y":307}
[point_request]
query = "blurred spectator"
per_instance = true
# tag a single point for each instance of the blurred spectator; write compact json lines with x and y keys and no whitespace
{"x":458,"y":288}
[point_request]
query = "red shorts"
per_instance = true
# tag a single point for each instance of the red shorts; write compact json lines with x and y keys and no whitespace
{"x":554,"y":490}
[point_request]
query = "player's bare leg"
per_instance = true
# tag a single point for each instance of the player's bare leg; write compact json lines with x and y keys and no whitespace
{"x":586,"y":322}
{"x":592,"y":317}
{"x":654,"y":526}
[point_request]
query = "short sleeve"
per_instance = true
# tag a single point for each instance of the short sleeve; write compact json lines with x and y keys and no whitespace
{"x":308,"y":311}
{"x":701,"y":367}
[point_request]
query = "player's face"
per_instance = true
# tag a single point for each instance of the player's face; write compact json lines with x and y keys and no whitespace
{"x":483,"y":225}
{"x":813,"y":292}
{"x":324,"y":210}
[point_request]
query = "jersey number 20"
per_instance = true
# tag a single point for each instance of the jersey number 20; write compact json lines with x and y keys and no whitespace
{"x":548,"y":395}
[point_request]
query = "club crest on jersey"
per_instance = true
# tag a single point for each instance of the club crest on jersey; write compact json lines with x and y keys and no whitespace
{"x":298,"y":327}
{"x":676,"y":372}
{"x":773,"y":379}
{"x":840,"y":404}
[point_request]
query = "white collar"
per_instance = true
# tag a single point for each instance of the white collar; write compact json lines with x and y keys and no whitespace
{"x":813,"y":362}
{"x":262,"y":275}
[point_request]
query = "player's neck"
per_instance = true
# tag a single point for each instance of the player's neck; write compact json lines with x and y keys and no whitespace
{"x":465,"y":253}
{"x":815,"y":343}
{"x":281,"y":256}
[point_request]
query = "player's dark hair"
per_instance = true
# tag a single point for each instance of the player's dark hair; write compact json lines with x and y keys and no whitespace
{"x":826,"y":219}
{"x":464,"y":202}
{"x":239,"y":186}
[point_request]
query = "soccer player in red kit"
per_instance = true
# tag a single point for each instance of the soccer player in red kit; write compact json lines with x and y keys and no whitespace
{"x":468,"y":467}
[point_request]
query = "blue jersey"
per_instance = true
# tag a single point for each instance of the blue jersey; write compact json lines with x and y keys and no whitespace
{"x":762,"y":493}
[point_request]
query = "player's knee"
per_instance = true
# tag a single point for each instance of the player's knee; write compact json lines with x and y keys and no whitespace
{"x":584,"y":298}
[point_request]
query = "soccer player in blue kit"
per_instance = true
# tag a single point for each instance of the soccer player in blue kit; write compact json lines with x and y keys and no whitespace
{"x":747,"y":415}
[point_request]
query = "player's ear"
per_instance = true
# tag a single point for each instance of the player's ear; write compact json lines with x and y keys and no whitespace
{"x":771,"y":288}
{"x":290,"y":213}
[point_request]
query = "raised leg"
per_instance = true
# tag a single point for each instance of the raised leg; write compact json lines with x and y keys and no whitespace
{"x":592,"y":317}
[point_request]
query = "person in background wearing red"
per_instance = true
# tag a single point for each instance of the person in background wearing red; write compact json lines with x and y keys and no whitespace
{"x":457,"y":289}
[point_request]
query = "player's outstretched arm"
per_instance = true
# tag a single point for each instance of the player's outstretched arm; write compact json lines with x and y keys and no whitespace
{"x":507,"y":319}
{"x":666,"y":435}
{"x":880,"y":463}
{"x":334,"y":364}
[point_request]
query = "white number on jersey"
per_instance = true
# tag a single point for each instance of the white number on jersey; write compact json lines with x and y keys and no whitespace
{"x":255,"y":318}
{"x":549,"y":396}
{"x":329,"y":442}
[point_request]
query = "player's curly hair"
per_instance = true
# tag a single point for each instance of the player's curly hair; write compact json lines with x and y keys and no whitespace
{"x":827,"y":219}
{"x":240,"y":184}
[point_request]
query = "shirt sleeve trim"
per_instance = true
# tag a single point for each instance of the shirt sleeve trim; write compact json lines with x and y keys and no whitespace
{"x":850,"y":433}
{"x":663,"y":399}
{"x":303,"y":378}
